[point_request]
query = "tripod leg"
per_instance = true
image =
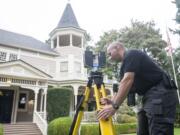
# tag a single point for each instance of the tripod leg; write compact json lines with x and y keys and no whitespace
{"x":106,"y":126}
{"x":79,"y":113}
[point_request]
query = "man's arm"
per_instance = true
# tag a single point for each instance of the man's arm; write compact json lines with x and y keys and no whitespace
{"x":124,"y":87}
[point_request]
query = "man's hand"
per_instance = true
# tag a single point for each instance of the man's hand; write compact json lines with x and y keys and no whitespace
{"x":106,"y":112}
{"x":105,"y":101}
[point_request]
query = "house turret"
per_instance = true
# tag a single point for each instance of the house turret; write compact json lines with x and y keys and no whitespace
{"x":69,"y":40}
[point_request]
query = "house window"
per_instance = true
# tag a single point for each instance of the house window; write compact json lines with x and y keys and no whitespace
{"x":76,"y":41}
{"x":64,"y":67}
{"x":12,"y":57}
{"x":64,"y":40}
{"x":22,"y":103}
{"x":3,"y":56}
{"x":55,"y":42}
{"x":77,"y":67}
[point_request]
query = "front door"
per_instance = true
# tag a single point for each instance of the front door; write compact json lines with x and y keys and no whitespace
{"x":6,"y":102}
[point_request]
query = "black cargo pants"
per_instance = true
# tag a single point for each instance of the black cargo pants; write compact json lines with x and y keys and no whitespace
{"x":157,"y":115}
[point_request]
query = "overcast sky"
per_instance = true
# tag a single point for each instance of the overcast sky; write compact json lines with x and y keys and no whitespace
{"x":37,"y":18}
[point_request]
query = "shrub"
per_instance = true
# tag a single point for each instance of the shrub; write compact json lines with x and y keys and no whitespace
{"x":125,"y":128}
{"x":58,"y":102}
{"x":93,"y":129}
{"x":90,"y":129}
{"x":59,"y":126}
{"x":62,"y":125}
{"x":177,"y":124}
{"x":125,"y":109}
{"x":124,"y":118}
{"x":1,"y":130}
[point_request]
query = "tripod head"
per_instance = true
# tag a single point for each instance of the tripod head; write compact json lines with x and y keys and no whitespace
{"x":96,"y":77}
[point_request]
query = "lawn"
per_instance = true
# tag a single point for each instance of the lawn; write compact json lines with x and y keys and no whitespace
{"x":1,"y":130}
{"x":176,"y":132}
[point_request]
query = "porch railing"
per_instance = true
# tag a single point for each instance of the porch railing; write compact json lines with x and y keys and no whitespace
{"x":41,"y":122}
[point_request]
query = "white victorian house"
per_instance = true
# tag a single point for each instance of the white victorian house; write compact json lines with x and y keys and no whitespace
{"x":28,"y":66}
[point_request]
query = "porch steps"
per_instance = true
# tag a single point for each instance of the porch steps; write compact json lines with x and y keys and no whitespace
{"x":26,"y":128}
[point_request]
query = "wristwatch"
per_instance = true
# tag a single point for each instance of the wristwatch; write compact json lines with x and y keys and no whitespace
{"x":115,"y":106}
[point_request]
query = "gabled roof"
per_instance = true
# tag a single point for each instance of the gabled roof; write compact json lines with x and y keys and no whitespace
{"x":68,"y":18}
{"x":24,"y":65}
{"x":16,"y":40}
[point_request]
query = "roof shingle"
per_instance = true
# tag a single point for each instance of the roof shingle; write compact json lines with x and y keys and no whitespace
{"x":68,"y":18}
{"x":22,"y":41}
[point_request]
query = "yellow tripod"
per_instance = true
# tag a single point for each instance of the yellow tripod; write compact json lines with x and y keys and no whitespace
{"x":106,"y":126}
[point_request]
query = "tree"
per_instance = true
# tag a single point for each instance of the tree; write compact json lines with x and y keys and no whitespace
{"x":143,"y":36}
{"x":139,"y":35}
{"x":177,"y":18}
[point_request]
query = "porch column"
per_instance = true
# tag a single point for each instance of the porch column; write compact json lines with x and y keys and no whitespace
{"x":36,"y":90}
{"x":35,"y":100}
{"x":58,"y":42}
{"x":45,"y":102}
{"x":42,"y":97}
{"x":71,"y":43}
{"x":75,"y":87}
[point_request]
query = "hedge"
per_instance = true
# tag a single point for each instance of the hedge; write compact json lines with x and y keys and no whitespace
{"x":61,"y":126}
{"x":125,"y":118}
{"x":58,"y":102}
{"x":93,"y":129}
{"x":1,"y":130}
{"x":177,"y":124}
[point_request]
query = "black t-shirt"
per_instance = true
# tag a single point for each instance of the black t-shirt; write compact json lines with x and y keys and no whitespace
{"x":147,"y":73}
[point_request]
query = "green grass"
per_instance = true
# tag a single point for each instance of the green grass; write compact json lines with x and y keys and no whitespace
{"x":176,"y":132}
{"x":1,"y":130}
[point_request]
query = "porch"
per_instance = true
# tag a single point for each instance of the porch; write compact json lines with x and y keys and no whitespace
{"x":23,"y":94}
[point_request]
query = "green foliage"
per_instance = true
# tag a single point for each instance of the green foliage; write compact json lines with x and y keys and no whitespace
{"x":177,"y":131}
{"x":59,"y":126}
{"x":90,"y":129}
{"x":177,"y":124}
{"x":177,"y":16}
{"x":105,"y":40}
{"x":93,"y":129}
{"x":126,"y":114}
{"x":58,"y":102}
{"x":125,"y":128}
{"x":62,"y":125}
{"x":125,"y":118}
{"x":125,"y":109}
{"x":1,"y":130}
{"x":143,"y":36}
{"x":139,"y":35}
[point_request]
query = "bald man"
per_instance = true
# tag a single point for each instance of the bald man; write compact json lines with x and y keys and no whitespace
{"x":139,"y":74}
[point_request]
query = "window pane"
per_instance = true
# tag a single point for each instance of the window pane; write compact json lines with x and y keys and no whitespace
{"x":64,"y":66}
{"x":76,"y":41}
{"x":12,"y":57}
{"x":3,"y":56}
{"x":22,"y":101}
{"x":64,"y":40}
{"x":55,"y":42}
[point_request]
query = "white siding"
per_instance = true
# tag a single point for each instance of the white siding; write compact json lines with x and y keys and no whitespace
{"x":48,"y":66}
